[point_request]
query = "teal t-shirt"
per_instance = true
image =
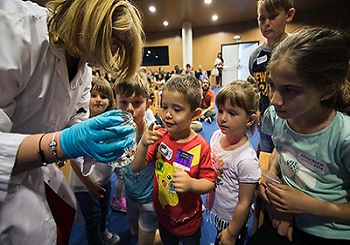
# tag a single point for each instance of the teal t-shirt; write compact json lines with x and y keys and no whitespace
{"x":317,"y":164}
{"x":139,"y":186}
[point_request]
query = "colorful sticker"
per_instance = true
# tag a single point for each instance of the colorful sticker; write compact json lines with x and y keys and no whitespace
{"x":183,"y":160}
{"x":166,"y":151}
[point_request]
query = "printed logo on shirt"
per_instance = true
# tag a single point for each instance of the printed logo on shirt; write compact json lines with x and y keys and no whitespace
{"x":166,"y":190}
{"x":297,"y":169}
{"x":313,"y":164}
{"x":260,"y":78}
{"x":261,"y":59}
{"x":166,"y":151}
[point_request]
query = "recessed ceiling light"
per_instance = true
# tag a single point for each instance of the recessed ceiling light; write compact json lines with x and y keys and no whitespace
{"x":152,"y":9}
{"x":207,"y":1}
{"x":165,"y":23}
{"x":215,"y":17}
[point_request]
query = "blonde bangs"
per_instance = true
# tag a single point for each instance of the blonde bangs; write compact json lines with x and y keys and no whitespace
{"x":128,"y":58}
{"x":92,"y":38}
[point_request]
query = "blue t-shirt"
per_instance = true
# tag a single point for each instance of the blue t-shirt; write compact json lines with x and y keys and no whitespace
{"x":317,"y":164}
{"x":139,"y":186}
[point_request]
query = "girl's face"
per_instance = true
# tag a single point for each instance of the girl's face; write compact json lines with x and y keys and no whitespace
{"x":272,"y":26}
{"x":292,"y":97}
{"x":232,"y":120}
{"x":176,"y":114}
{"x":98,"y":103}
{"x":136,"y":105}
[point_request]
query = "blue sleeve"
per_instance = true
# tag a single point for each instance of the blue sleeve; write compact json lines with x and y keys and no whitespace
{"x":268,"y":120}
{"x":345,"y":142}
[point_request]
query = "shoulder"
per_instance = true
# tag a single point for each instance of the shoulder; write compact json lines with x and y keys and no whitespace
{"x":342,"y":124}
{"x":211,"y":92}
{"x":269,"y":120}
{"x":23,"y":25}
{"x":261,"y":48}
{"x":216,"y":134}
{"x":22,"y":11}
{"x":198,"y":140}
{"x":24,"y":41}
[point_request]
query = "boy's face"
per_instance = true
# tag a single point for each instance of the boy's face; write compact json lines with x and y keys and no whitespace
{"x":176,"y":114}
{"x":136,"y":105}
{"x":272,"y":26}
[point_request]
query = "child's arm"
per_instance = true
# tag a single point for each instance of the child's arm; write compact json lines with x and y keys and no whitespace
{"x":288,"y":199}
{"x":240,"y":215}
{"x":184,"y":183}
{"x":150,"y":136}
{"x":94,"y":189}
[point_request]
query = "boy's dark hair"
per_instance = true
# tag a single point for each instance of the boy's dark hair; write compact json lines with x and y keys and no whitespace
{"x":187,"y":85}
{"x":272,"y":6}
{"x":137,"y":86}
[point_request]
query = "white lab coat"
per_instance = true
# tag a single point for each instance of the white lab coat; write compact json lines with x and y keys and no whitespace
{"x":35,"y":97}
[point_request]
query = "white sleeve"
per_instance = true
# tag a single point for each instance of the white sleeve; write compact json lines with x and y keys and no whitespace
{"x":17,"y":58}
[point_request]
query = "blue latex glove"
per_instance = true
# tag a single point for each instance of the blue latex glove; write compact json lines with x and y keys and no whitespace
{"x":102,"y":138}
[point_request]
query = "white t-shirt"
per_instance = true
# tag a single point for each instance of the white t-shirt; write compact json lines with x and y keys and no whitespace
{"x":240,"y":165}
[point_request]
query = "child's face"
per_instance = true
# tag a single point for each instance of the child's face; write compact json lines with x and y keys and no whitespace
{"x":272,"y":26}
{"x":136,"y":105}
{"x":232,"y":120}
{"x":176,"y":114}
{"x":98,"y":103}
{"x":292,"y":97}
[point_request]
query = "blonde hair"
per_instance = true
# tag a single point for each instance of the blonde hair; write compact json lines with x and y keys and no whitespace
{"x":85,"y":27}
{"x":101,"y":85}
{"x":137,"y":86}
{"x":242,"y":94}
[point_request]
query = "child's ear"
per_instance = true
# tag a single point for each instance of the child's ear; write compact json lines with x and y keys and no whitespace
{"x":148,"y":104}
{"x":251,"y":120}
{"x":197,"y":114}
{"x":290,"y":14}
{"x":327,"y":94}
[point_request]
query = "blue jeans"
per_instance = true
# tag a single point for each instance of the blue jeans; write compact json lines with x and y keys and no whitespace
{"x":170,"y":239}
{"x":95,"y":213}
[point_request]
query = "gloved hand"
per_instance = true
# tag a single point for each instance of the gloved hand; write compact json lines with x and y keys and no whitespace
{"x":102,"y":138}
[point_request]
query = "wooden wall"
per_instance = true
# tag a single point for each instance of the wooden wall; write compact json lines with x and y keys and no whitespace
{"x":207,"y":41}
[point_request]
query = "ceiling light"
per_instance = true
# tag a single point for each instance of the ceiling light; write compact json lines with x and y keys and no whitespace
{"x":237,"y":37}
{"x":207,"y":1}
{"x":152,"y":9}
{"x":214,"y":17}
{"x":165,"y":23}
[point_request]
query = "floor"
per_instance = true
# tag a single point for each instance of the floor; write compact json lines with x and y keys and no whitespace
{"x":118,"y":222}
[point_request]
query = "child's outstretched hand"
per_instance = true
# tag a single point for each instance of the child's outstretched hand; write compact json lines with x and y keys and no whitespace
{"x":151,"y":135}
{"x":182,"y":180}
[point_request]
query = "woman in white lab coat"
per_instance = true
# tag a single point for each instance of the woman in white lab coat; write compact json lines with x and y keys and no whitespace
{"x":44,"y":88}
